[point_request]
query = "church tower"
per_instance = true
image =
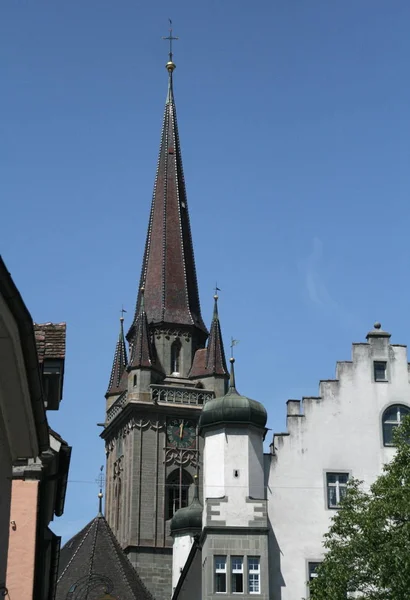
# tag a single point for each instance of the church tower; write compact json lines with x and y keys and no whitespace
{"x":155,"y":396}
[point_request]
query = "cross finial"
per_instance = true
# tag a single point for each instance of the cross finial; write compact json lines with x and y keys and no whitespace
{"x":170,"y":38}
{"x":122,"y":311}
{"x":233,"y":343}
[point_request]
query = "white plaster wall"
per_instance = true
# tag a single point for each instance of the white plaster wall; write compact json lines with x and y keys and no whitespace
{"x":214,"y":484}
{"x":341,"y":431}
{"x":228,"y":450}
{"x":180,"y":551}
{"x":255,"y":465}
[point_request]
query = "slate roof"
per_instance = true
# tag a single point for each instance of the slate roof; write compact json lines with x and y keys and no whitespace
{"x":118,"y":383}
{"x":168,"y":270}
{"x":92,"y":564}
{"x":50,"y":340}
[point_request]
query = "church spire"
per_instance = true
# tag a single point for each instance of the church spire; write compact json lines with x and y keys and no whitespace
{"x":117,"y":383}
{"x":215,"y":355}
{"x":168,"y":269}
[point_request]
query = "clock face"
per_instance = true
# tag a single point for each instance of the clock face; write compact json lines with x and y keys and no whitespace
{"x":181,"y":433}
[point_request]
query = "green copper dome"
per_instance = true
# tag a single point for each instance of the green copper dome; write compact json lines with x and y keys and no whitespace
{"x":189,"y":517}
{"x":233,"y":409}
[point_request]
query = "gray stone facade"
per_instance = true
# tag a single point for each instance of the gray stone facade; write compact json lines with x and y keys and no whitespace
{"x":234,"y":542}
{"x":140,"y":462}
{"x":154,"y":567}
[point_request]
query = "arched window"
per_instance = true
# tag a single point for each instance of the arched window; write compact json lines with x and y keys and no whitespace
{"x":176,"y":357}
{"x":392,"y":417}
{"x":135,"y":381}
{"x":177,"y":491}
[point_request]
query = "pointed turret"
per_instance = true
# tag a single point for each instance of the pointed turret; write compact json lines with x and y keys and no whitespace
{"x":215,"y":359}
{"x":141,"y":349}
{"x":168,"y":270}
{"x":209,"y":365}
{"x":118,"y":383}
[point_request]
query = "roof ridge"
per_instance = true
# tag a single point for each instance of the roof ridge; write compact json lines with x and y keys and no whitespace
{"x":90,"y":524}
{"x":119,"y":552}
{"x":90,"y":570}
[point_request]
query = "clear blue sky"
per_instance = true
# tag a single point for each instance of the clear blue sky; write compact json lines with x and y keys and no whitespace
{"x":294,"y":124}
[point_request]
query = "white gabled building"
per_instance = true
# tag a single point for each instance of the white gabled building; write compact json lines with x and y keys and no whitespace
{"x":344,"y":432}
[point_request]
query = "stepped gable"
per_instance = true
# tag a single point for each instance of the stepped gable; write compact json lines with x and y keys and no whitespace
{"x":94,"y":567}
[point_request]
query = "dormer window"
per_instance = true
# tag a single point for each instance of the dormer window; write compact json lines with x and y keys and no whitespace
{"x":380,"y":370}
{"x":175,"y":357}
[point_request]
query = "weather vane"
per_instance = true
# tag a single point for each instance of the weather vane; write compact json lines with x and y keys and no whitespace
{"x":217,"y":289}
{"x":100,"y":481}
{"x":233,"y":343}
{"x":122,"y":311}
{"x":170,"y":38}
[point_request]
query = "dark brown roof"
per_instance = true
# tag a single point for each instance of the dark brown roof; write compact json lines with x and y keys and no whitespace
{"x":168,"y":270}
{"x":92,"y":564}
{"x":118,"y":383}
{"x":50,"y":340}
{"x":198,"y":365}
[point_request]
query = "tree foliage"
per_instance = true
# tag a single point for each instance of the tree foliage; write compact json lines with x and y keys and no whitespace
{"x":368,"y":544}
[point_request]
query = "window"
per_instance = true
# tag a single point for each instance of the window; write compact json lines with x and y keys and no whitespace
{"x":336,"y":484}
{"x":178,"y":484}
{"x":312,"y":566}
{"x":237,"y":574}
{"x":380,"y":370}
{"x":134,"y":383}
{"x":175,"y":357}
{"x":254,"y":574}
{"x":220,"y":574}
{"x":392,"y":417}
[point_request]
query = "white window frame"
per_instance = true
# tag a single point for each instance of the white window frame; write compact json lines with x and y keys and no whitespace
{"x":237,"y":571}
{"x":255,"y":573}
{"x":218,"y":570}
{"x":337,"y":485}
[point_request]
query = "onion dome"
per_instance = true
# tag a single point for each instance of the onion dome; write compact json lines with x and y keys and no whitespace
{"x":190,"y":517}
{"x":232,"y":409}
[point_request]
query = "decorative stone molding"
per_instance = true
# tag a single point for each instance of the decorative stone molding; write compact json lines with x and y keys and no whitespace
{"x":196,"y":396}
{"x":172,"y":333}
{"x":116,"y":407}
{"x":181,"y":457}
{"x":118,"y":467}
